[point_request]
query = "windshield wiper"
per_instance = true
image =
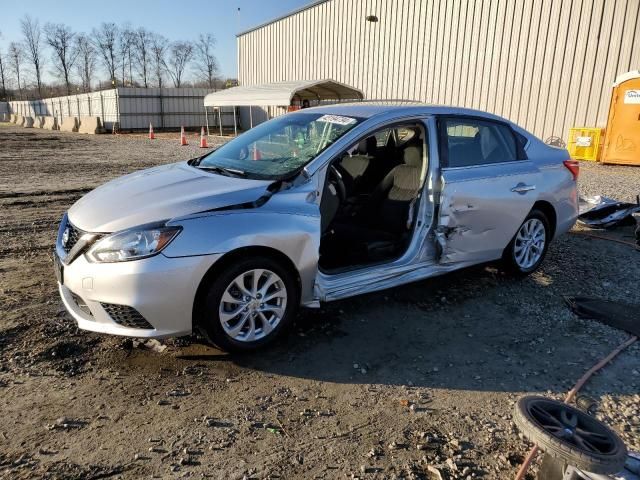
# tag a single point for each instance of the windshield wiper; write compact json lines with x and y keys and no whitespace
{"x":229,"y":172}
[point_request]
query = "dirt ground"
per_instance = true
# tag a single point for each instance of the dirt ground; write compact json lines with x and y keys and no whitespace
{"x":388,"y":385}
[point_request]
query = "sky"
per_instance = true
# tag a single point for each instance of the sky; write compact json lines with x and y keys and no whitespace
{"x":181,"y":20}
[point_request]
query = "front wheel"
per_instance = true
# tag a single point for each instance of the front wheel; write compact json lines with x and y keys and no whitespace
{"x":248,"y":305}
{"x":527,"y":249}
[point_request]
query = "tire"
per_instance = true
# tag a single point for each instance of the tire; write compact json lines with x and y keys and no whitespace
{"x":511,"y":259}
{"x":220,"y":321}
{"x":611,"y":455}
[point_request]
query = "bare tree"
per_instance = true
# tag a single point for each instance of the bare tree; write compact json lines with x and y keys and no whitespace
{"x":206,"y":62}
{"x":33,"y":41}
{"x":105,"y":41}
{"x":3,"y":74}
{"x":180,"y":54}
{"x":125,"y":42}
{"x":16,"y":57}
{"x":159,"y":47}
{"x":86,"y":60}
{"x":3,"y":77}
{"x":144,"y":51}
{"x":61,"y":40}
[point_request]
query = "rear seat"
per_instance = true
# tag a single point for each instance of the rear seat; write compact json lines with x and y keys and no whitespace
{"x":465,"y":153}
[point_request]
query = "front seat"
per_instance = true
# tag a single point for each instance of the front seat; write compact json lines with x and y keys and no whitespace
{"x":392,"y":198}
{"x":379,"y":231}
{"x":354,"y":167}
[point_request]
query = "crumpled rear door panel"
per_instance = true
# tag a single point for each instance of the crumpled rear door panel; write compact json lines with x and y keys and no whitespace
{"x":479,"y":213}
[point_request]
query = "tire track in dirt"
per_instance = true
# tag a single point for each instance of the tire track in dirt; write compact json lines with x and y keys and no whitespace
{"x":67,"y":192}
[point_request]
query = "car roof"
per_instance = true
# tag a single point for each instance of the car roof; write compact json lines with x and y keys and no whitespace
{"x":370,"y":109}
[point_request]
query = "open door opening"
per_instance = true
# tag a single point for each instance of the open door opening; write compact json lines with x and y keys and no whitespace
{"x":370,"y":199}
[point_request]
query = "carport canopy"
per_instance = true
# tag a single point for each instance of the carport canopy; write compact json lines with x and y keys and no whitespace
{"x":281,"y":94}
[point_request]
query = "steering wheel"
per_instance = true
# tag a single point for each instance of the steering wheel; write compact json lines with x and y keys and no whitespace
{"x":339,"y":183}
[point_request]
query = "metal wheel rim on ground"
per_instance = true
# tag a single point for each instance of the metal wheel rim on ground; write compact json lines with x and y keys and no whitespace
{"x":565,"y":425}
{"x":253,"y":305}
{"x":529,"y":244}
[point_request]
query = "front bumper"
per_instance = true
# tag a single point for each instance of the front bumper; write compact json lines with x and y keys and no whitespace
{"x":160,"y":288}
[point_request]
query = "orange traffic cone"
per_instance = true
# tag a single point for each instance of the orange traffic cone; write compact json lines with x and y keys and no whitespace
{"x":152,"y":136}
{"x":183,"y":137}
{"x":203,"y":139}
{"x":256,"y":154}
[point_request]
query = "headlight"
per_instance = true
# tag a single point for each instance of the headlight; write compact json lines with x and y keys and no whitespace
{"x":132,"y":244}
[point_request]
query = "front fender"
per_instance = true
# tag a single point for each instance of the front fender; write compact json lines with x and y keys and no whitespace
{"x":295,"y":235}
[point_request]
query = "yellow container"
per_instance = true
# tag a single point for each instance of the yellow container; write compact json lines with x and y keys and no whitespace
{"x":584,"y":143}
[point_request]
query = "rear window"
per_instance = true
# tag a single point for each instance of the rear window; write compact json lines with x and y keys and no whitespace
{"x":522,"y":140}
{"x":404,"y":134}
{"x":382,"y":137}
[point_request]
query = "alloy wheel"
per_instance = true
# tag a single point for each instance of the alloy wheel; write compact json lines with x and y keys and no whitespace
{"x":252,"y":305}
{"x":529,"y":243}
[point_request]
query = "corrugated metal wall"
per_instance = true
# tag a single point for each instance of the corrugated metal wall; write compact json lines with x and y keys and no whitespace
{"x":548,"y":65}
{"x":165,"y":108}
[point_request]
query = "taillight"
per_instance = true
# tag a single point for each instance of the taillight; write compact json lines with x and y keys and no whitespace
{"x":574,"y":167}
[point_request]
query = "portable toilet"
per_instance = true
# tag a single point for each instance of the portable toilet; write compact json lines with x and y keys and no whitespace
{"x":622,"y":137}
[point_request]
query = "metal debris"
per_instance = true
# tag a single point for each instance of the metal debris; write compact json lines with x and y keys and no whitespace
{"x":605,"y":212}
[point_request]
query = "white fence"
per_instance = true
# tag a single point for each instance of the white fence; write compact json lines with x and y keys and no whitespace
{"x":129,"y":108}
{"x":101,"y":104}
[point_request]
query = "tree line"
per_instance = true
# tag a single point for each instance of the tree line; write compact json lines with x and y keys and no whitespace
{"x":110,"y":55}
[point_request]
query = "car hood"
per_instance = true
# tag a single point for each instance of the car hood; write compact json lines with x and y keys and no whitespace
{"x":157,"y":194}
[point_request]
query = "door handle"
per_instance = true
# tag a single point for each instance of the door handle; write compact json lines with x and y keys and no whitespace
{"x":523,"y":188}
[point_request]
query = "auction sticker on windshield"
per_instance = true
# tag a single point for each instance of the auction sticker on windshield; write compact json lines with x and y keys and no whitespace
{"x":336,"y":119}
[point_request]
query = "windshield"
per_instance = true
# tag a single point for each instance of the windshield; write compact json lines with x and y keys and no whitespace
{"x":280,"y":146}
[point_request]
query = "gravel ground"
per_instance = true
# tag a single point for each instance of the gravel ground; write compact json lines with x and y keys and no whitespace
{"x":619,"y":182}
{"x":398,"y":384}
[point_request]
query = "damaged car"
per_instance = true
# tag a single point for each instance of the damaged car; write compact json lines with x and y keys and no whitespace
{"x":310,"y":207}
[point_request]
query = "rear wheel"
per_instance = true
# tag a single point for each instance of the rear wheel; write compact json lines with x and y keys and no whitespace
{"x":527,"y":249}
{"x":248,"y":305}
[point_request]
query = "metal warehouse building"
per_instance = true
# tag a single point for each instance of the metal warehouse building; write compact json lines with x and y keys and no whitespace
{"x":546,"y":64}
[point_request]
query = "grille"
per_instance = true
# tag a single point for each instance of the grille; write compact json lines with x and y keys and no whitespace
{"x":74,"y":236}
{"x":126,"y":316}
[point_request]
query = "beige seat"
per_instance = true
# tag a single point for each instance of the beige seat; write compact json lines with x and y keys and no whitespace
{"x":354,"y":167}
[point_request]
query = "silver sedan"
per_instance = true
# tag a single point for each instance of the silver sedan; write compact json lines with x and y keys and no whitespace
{"x":310,"y":207}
